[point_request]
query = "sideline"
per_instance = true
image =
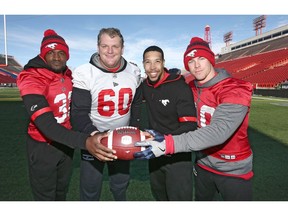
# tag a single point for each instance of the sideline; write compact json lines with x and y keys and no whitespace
{"x":269,"y":98}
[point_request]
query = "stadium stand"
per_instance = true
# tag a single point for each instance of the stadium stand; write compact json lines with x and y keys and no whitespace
{"x":261,"y":60}
{"x":9,"y":72}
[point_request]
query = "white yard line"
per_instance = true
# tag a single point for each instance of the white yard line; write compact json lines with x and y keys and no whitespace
{"x":270,"y":98}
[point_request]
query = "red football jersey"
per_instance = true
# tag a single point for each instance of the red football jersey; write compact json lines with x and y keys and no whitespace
{"x":230,"y":91}
{"x":56,"y":88}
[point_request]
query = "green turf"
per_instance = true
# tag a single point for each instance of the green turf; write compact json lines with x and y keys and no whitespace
{"x":9,"y":94}
{"x":267,"y":133}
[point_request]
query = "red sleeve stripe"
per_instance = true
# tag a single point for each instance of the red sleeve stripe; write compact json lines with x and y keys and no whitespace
{"x":40,"y":112}
{"x":187,"y":119}
{"x":170,"y":148}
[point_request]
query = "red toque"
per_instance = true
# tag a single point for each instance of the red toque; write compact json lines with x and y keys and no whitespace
{"x":53,"y":41}
{"x":198,"y":48}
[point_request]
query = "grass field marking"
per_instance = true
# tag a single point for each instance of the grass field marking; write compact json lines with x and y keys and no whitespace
{"x":270,"y":98}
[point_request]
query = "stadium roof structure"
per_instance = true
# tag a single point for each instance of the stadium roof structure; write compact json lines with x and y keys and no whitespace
{"x":257,"y":40}
{"x":10,"y":71}
{"x":261,"y":60}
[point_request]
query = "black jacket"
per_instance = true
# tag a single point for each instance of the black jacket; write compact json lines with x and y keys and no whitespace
{"x":167,"y":102}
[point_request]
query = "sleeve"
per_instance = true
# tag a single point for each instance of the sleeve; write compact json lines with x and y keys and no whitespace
{"x":137,"y":73}
{"x":42,"y":116}
{"x":80,"y":110}
{"x":236,"y":92}
{"x":186,"y":109}
{"x":225,"y":121}
{"x":82,"y":77}
{"x":136,"y":105}
{"x":135,"y":117}
{"x":31,"y":82}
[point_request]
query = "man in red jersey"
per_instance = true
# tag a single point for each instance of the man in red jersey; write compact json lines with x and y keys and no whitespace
{"x":45,"y":86}
{"x":224,"y":155}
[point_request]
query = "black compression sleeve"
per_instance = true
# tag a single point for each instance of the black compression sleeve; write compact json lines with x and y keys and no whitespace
{"x":136,"y":108}
{"x":48,"y":125}
{"x":80,"y":110}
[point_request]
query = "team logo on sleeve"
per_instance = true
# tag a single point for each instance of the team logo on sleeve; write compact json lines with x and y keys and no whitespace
{"x":33,"y":107}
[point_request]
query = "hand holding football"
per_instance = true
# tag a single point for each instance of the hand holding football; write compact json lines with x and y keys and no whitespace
{"x":122,"y":140}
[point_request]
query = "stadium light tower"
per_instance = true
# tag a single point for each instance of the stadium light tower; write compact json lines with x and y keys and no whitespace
{"x":5,"y":42}
{"x":259,"y":23}
{"x":207,"y":36}
{"x":227,"y":38}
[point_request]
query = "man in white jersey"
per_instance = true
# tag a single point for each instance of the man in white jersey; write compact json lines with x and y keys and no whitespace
{"x":103,"y":91}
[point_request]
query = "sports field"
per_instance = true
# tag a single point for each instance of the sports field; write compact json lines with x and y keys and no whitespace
{"x":267,"y":132}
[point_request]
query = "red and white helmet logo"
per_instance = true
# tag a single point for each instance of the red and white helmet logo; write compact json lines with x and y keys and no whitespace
{"x":51,"y":46}
{"x":192,"y":53}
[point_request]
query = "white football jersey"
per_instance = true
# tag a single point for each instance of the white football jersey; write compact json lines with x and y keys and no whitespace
{"x":111,"y":93}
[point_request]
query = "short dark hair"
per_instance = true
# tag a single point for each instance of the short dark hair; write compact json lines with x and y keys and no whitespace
{"x":153,"y":48}
{"x":112,"y":32}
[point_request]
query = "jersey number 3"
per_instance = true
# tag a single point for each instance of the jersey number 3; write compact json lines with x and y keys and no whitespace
{"x":64,"y":108}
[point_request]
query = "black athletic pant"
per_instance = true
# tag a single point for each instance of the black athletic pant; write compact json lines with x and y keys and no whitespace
{"x":171,"y":177}
{"x":91,"y":177}
{"x":208,"y":184}
{"x":50,"y":169}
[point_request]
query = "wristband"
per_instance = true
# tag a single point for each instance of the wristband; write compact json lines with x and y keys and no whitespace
{"x":169,"y":144}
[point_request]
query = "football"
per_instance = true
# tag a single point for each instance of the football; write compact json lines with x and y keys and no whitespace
{"x":122,"y":140}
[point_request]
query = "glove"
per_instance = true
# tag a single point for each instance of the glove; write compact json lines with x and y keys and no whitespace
{"x":157,"y":136}
{"x":154,"y":148}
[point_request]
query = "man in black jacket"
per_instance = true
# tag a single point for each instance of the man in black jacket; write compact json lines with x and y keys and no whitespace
{"x":171,"y":110}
